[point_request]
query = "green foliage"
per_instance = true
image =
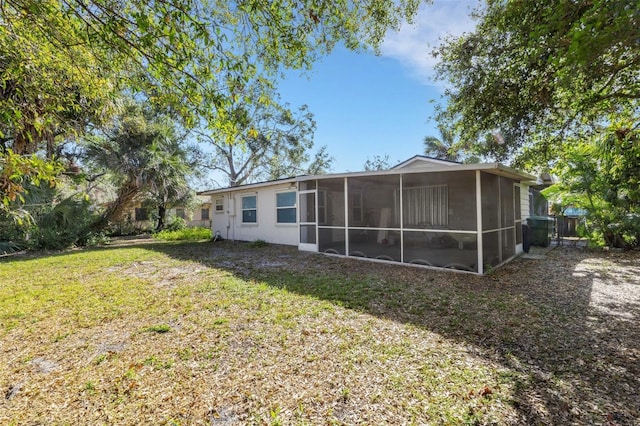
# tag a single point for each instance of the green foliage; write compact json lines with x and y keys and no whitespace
{"x":191,"y":234}
{"x":256,"y":140}
{"x":19,"y":172}
{"x":377,"y":163}
{"x":443,"y":148}
{"x":602,"y":175}
{"x":66,"y":64}
{"x":7,"y":247}
{"x":54,"y":221}
{"x":258,"y":244}
{"x":159,"y":328}
{"x":142,"y":153}
{"x":184,"y":56}
{"x":176,"y":224}
{"x":93,"y":239}
{"x":54,"y":76}
{"x":532,"y":75}
{"x":61,"y":225}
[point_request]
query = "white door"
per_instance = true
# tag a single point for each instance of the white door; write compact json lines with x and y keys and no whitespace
{"x":308,"y":228}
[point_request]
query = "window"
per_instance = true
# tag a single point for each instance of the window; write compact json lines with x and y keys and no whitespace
{"x":219,"y":205}
{"x":249,"y":209}
{"x":426,"y":206}
{"x":204,"y":214}
{"x":286,"y":207}
{"x":356,"y":207}
{"x":142,"y":214}
{"x":180,"y":213}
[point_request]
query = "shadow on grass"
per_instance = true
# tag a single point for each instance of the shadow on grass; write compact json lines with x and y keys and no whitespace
{"x":565,"y":327}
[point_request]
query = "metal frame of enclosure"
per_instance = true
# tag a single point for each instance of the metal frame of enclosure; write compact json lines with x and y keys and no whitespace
{"x":467,"y":219}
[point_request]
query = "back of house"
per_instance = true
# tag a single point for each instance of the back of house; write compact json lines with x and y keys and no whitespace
{"x":424,"y":211}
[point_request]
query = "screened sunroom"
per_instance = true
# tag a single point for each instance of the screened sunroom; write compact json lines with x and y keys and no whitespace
{"x":466,"y":217}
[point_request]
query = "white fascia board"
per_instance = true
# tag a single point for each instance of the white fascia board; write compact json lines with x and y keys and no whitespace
{"x":248,"y":186}
{"x":494,"y":168}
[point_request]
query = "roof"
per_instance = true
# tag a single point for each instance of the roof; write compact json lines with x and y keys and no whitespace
{"x":432,"y":165}
{"x":493,"y":168}
{"x":423,"y":160}
{"x":250,"y":186}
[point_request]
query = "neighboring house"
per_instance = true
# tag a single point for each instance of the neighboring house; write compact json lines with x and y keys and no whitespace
{"x":423,"y":211}
{"x":538,"y":203}
{"x":200,"y":215}
{"x":141,"y":217}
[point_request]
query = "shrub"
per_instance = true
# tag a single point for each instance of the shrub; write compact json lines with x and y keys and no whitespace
{"x":192,"y":234}
{"x":176,"y":224}
{"x":7,"y":247}
{"x":96,"y":239}
{"x":61,"y":226}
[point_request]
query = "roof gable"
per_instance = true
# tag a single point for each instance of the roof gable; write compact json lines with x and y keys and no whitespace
{"x":423,"y":162}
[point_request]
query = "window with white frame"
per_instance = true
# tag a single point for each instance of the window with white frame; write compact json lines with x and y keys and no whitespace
{"x":249,"y":209}
{"x":219,"y":205}
{"x":286,"y":207}
{"x":426,"y":206}
{"x":204,"y":213}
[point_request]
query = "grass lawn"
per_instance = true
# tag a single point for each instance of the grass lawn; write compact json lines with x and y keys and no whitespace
{"x":225,"y":334}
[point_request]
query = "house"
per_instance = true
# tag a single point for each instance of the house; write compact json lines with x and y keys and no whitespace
{"x":198,"y":215}
{"x":138,"y":216}
{"x":423,"y":211}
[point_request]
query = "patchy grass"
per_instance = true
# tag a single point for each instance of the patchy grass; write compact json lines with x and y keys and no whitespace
{"x":202,"y":333}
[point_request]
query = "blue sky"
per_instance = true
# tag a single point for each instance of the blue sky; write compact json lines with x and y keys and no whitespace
{"x":366,"y":105}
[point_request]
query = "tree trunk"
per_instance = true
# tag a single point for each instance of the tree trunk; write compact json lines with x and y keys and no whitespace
{"x":126,"y":194}
{"x":162,"y":212}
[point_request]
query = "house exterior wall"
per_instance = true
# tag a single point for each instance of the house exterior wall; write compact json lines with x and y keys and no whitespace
{"x":193,"y":216}
{"x":460,"y":218}
{"x":201,"y":216}
{"x":524,"y":201}
{"x":524,"y":210}
{"x":228,"y":222}
{"x":131,"y":214}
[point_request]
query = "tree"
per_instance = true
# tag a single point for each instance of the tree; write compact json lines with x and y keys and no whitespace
{"x":19,"y":173}
{"x":64,"y":63}
{"x":532,"y":75}
{"x":168,"y":181}
{"x":184,"y":55}
{"x":52,"y":83}
{"x":259,"y":140}
{"x":377,"y":163}
{"x":602,"y":176}
{"x":142,"y":154}
{"x":442,"y":148}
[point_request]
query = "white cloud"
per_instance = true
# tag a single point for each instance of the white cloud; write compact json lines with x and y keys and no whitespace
{"x":414,"y":43}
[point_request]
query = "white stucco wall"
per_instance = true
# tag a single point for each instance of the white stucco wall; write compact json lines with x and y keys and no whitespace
{"x":229,"y":221}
